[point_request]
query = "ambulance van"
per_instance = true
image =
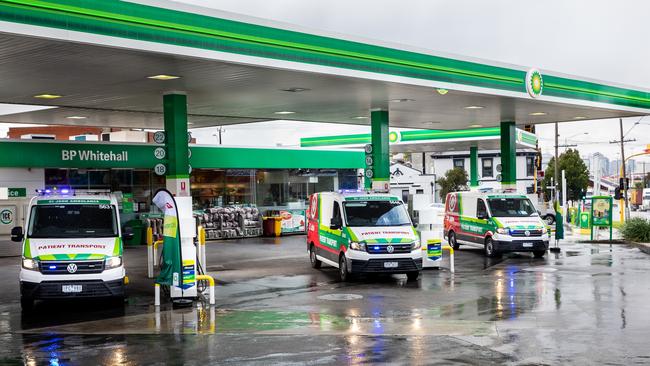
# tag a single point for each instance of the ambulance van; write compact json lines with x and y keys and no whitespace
{"x":496,"y":222}
{"x":72,"y":248}
{"x":362,"y":233}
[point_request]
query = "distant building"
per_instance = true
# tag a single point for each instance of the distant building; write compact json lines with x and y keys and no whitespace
{"x":600,"y":162}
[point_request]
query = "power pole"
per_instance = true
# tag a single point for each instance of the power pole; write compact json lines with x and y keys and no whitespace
{"x":555,"y":168}
{"x":623,"y":202}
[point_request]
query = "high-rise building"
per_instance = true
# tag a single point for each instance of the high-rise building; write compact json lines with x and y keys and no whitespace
{"x":600,"y":162}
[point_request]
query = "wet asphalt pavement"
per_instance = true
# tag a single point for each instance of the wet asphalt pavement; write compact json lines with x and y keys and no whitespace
{"x":587,"y":305}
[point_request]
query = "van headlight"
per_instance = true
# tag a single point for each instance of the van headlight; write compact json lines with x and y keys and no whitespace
{"x":503,"y":230}
{"x":30,"y":264}
{"x":112,"y":262}
{"x":355,"y":245}
{"x":416,"y":245}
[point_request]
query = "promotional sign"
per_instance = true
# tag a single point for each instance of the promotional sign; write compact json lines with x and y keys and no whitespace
{"x":293,"y":221}
{"x":601,"y":214}
{"x":7,"y":218}
{"x":171,"y":263}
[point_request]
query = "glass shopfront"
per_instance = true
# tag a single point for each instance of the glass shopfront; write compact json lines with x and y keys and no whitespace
{"x":267,"y":188}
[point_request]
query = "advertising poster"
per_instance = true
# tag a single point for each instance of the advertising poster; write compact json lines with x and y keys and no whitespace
{"x":293,"y":221}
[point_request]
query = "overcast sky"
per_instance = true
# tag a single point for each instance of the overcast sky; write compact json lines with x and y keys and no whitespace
{"x":599,"y":39}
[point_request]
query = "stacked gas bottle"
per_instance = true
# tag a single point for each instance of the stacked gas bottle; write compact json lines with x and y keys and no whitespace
{"x":231,"y":222}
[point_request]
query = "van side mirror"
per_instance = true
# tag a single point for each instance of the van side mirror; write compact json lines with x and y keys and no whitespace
{"x":17,"y":234}
{"x":127,"y":233}
{"x":482,"y":216}
{"x":336,"y":223}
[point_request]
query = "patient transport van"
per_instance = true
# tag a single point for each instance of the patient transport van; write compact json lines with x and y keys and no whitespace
{"x":496,"y":222}
{"x":362,"y":233}
{"x":72,"y":248}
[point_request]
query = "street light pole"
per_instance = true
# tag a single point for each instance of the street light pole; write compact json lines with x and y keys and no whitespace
{"x":555,"y":168}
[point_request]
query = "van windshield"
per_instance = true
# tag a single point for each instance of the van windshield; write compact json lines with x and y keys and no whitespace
{"x":511,"y":207}
{"x":376,"y":213}
{"x":72,"y":221}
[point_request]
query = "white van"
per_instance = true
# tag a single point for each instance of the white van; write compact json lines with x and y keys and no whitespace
{"x":362,"y":233}
{"x":72,"y":248}
{"x":497,"y":222}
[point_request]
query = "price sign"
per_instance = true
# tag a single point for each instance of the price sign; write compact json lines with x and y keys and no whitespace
{"x":189,"y":137}
{"x":160,"y":153}
{"x":189,"y":153}
{"x":159,"y":137}
{"x":160,"y":169}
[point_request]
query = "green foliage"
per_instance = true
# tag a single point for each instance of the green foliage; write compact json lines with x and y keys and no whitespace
{"x":454,"y":180}
{"x":577,"y":175}
{"x":636,"y":229}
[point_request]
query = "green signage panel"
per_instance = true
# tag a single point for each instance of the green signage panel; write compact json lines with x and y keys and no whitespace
{"x":17,"y":192}
{"x":28,"y":154}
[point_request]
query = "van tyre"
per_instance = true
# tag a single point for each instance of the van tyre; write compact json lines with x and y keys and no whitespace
{"x":412,"y":276}
{"x":26,"y":303}
{"x":344,"y":275}
{"x":315,"y":263}
{"x":539,"y":253}
{"x":490,"y":250}
{"x":452,"y":240}
{"x":550,"y":219}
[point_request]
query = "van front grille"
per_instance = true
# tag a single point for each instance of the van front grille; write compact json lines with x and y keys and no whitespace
{"x":61,"y":267}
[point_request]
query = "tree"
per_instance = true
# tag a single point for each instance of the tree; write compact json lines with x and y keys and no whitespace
{"x":454,"y":180}
{"x":577,"y":175}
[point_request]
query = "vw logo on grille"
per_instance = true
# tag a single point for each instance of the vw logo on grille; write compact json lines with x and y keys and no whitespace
{"x":527,"y":233}
{"x":390,"y":249}
{"x":72,"y":268}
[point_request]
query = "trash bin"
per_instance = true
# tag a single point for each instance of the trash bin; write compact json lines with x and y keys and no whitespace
{"x":138,"y":232}
{"x":272,"y":225}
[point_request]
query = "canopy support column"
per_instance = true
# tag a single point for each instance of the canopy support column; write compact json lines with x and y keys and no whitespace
{"x":473,"y":166}
{"x":508,"y":155}
{"x":176,"y":142}
{"x":380,"y":149}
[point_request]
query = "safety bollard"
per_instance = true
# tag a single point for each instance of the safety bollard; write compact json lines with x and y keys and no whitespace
{"x":156,"y":301}
{"x":150,"y":254}
{"x":156,"y":244}
{"x":451,"y":257}
{"x":211,"y":287}
{"x":202,"y":248}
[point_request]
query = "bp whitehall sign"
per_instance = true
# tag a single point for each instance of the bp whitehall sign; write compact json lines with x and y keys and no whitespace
{"x":94,"y":155}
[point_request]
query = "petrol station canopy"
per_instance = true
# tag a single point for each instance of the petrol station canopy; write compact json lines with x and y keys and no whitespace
{"x":94,"y":60}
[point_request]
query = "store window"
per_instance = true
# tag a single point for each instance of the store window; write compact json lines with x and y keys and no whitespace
{"x":530,"y":166}
{"x":487,"y":169}
{"x":459,"y":163}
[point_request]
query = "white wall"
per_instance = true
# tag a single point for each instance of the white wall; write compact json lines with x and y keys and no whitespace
{"x":30,"y":179}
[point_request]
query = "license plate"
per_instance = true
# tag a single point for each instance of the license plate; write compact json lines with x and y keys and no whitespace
{"x":390,"y":264}
{"x":71,"y":288}
{"x":527,"y":245}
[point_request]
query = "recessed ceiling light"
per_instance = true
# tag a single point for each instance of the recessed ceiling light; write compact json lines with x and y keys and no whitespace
{"x":295,"y":90}
{"x":537,"y":114}
{"x":76,"y":117}
{"x":579,"y":117}
{"x":163,"y":77}
{"x":434,"y":122}
{"x":475,"y":126}
{"x":47,"y":96}
{"x":284,"y":112}
{"x":402,"y":100}
{"x":474,"y":107}
{"x":442,"y":91}
{"x":190,"y":123}
{"x":360,"y":117}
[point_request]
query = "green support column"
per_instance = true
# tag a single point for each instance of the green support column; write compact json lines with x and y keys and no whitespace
{"x":508,"y":155}
{"x":473,"y":166}
{"x":175,"y":117}
{"x":380,"y":148}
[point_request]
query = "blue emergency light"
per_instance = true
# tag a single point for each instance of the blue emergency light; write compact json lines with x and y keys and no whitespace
{"x":55,"y":190}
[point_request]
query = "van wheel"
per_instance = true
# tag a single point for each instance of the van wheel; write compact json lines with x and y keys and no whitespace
{"x":344,"y":275}
{"x":490,"y":251}
{"x":315,"y":263}
{"x":452,"y":240}
{"x":550,"y":219}
{"x":26,"y":303}
{"x":413,"y":276}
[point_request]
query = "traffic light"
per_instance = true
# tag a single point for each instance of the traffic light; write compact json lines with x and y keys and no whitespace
{"x":617,"y":193}
{"x":624,"y":183}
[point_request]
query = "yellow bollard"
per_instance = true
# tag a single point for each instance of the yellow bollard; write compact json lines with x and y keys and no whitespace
{"x":156,"y":244}
{"x":156,"y":301}
{"x":451,"y":257}
{"x":211,"y":287}
{"x":202,"y":248}
{"x":150,"y":253}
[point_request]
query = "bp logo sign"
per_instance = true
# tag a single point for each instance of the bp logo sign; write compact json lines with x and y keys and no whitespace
{"x":534,"y":83}
{"x":394,"y":137}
